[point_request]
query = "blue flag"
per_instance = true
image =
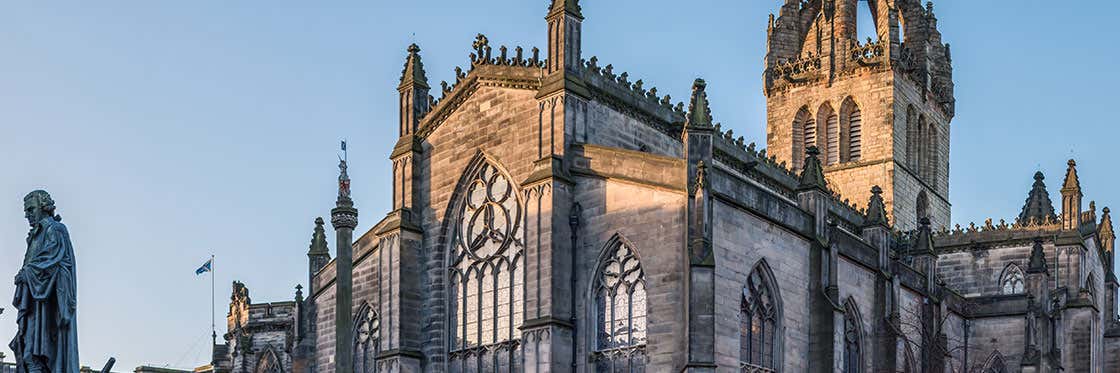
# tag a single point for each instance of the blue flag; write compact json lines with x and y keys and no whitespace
{"x":206,"y":267}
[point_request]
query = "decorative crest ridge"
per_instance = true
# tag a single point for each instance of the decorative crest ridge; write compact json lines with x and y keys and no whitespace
{"x":413,"y":73}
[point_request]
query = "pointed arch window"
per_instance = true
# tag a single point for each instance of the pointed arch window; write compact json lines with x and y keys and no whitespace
{"x":1012,"y":280}
{"x":621,"y":308}
{"x":802,"y":124}
{"x":852,"y":339}
{"x":995,"y":364}
{"x":831,"y":144}
{"x":269,"y":362}
{"x":485,"y":282}
{"x":912,"y":138}
{"x":759,"y":337}
{"x":810,"y":138}
{"x":855,"y":135}
{"x":367,"y":340}
{"x":851,"y":129}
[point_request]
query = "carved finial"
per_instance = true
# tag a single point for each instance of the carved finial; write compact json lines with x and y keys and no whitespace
{"x":876,"y":209}
{"x":413,"y":73}
{"x":299,"y":293}
{"x":318,"y":239}
{"x":699,"y":115}
{"x":1038,"y":258}
{"x":812,"y":176}
{"x":481,"y":43}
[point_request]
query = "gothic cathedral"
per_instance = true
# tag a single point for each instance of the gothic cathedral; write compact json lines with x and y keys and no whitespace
{"x":551,"y":214}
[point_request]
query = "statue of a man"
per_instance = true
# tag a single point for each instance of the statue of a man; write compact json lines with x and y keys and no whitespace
{"x":46,"y":294}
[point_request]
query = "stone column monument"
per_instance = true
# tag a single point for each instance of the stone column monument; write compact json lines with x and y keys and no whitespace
{"x":46,"y":294}
{"x":344,"y":218}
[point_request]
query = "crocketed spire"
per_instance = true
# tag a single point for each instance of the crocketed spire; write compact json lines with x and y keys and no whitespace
{"x":319,"y":240}
{"x":876,"y":209}
{"x":569,"y":6}
{"x":923,"y":239}
{"x":1071,"y":183}
{"x":699,"y":114}
{"x":812,"y":175}
{"x":1038,"y":205}
{"x":413,"y":74}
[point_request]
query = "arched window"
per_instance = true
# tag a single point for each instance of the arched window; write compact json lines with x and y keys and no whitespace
{"x":485,"y":284}
{"x":1011,"y":282}
{"x":995,"y":364}
{"x":802,"y":123}
{"x":831,"y":144}
{"x":855,"y":135}
{"x":268,"y":362}
{"x":759,"y":337}
{"x":912,"y":139}
{"x":621,"y":306}
{"x":367,"y":340}
{"x":810,"y":136}
{"x":922,"y":206}
{"x":931,"y":154}
{"x":923,"y":134}
{"x":853,"y":359}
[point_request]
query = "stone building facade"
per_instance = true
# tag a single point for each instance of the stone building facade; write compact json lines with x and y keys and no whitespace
{"x":551,"y":214}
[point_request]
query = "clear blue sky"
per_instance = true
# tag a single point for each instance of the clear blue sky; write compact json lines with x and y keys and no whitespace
{"x":168,"y":131}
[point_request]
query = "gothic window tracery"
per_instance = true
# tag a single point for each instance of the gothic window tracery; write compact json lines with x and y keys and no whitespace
{"x":912,"y":139}
{"x":621,"y":308}
{"x":1012,"y":280}
{"x":367,"y":341}
{"x":758,"y":320}
{"x":995,"y":364}
{"x":485,"y":281}
{"x":268,"y":363}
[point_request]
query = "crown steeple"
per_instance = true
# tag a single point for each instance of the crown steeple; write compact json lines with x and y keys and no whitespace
{"x":1038,"y":206}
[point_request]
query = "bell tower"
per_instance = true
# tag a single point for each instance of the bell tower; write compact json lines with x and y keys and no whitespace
{"x":878,"y":109}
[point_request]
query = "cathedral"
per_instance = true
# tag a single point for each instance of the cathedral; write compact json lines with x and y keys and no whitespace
{"x":551,"y":214}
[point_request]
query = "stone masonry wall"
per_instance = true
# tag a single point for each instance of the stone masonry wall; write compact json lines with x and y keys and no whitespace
{"x":652,"y":220}
{"x":741,"y":240}
{"x":977,"y":273}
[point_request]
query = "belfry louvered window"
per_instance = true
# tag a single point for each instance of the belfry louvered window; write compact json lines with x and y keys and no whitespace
{"x":758,"y":316}
{"x":367,"y":341}
{"x":832,"y":135}
{"x":855,"y":134}
{"x":620,"y":303}
{"x":810,"y":133}
{"x":485,"y":281}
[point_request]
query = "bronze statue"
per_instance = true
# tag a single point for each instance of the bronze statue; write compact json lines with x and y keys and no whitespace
{"x":46,"y":294}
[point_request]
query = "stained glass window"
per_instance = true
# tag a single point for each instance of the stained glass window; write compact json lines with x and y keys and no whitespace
{"x":621,"y":312}
{"x":367,"y":341}
{"x":758,"y":323}
{"x":1012,"y":281}
{"x":485,"y":275}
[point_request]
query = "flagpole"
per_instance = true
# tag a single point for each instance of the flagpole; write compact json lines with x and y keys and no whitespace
{"x":213,"y":329}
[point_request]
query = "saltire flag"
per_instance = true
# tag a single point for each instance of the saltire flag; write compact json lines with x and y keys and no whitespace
{"x":206,"y":267}
{"x":343,"y":145}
